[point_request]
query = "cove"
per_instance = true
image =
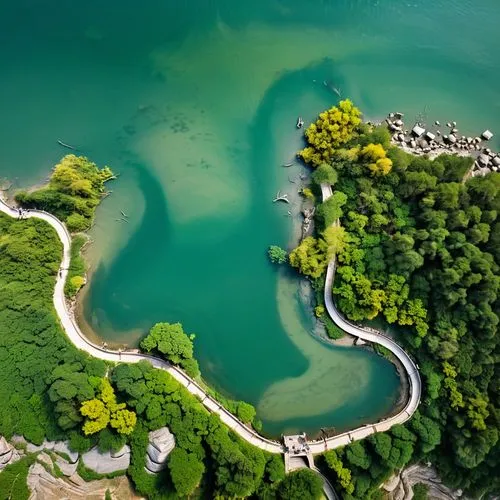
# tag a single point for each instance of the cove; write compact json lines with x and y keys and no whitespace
{"x":196,"y":109}
{"x":253,"y":336}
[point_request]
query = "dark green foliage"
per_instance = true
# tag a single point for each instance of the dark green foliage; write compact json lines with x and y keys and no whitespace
{"x":383,"y":351}
{"x":420,"y":491}
{"x":324,"y":174}
{"x":145,"y":484}
{"x":77,"y":267}
{"x":329,"y":211}
{"x":333,"y":331}
{"x":89,"y":475}
{"x":175,"y":345}
{"x":423,"y":255}
{"x":245,"y":412}
{"x":73,"y":193}
{"x":110,"y":441}
{"x":236,"y":467}
{"x":277,"y":255}
{"x":236,"y":407}
{"x":80,"y":443}
{"x":42,"y":376}
{"x":13,"y":478}
{"x":300,"y":485}
{"x":186,"y":471}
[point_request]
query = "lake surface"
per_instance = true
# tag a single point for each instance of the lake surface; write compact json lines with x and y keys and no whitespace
{"x":194,"y":104}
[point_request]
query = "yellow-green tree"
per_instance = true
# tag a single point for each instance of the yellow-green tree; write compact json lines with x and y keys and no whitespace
{"x":105,"y":410}
{"x":335,"y":239}
{"x":310,"y":257}
{"x":332,"y":129}
{"x":376,"y":155}
{"x":97,"y":416}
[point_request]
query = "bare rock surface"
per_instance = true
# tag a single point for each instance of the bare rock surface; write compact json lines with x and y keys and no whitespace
{"x":161,"y":443}
{"x":400,"y":486}
{"x":105,"y":463}
{"x":8,"y":453}
{"x":63,"y":447}
{"x":44,"y":486}
{"x":67,"y":468}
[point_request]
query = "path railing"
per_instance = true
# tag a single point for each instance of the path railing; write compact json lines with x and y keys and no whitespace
{"x":76,"y":336}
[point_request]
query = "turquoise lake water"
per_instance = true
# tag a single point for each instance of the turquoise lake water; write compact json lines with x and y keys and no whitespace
{"x":194,"y":104}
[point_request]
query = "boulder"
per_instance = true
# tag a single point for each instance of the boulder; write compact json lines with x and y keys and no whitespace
{"x":8,"y":454}
{"x":487,"y":135}
{"x":105,"y":463}
{"x":418,"y":131}
{"x":161,"y":443}
{"x":484,"y":159}
{"x":46,"y":445}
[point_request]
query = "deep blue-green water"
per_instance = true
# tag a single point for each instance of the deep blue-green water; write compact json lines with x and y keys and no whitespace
{"x":194,"y":104}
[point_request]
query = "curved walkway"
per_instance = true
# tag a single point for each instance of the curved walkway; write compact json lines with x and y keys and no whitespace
{"x":81,"y":342}
{"x":376,"y":337}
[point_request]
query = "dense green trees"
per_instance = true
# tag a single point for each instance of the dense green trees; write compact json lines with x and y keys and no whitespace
{"x":175,"y":345}
{"x":76,"y":272}
{"x":300,"y":485}
{"x":45,"y":381}
{"x":238,"y":469}
{"x":186,"y":471}
{"x":43,"y":378}
{"x":73,"y":193}
{"x":421,"y":252}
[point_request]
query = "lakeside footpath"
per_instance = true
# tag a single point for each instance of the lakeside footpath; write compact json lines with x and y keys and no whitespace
{"x":248,"y":434}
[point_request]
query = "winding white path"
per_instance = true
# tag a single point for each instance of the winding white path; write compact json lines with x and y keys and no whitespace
{"x":133,"y":356}
{"x":415,"y":384}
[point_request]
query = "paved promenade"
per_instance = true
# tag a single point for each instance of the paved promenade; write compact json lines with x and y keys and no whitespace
{"x":81,"y":342}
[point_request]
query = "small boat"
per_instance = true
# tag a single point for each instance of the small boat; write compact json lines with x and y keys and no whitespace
{"x":123,"y":213}
{"x":64,"y":145}
{"x":288,"y":164}
{"x":300,"y":122}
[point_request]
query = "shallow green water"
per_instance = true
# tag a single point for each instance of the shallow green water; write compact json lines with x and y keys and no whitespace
{"x":195,"y":106}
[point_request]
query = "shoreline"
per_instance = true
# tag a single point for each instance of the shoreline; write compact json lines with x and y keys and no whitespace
{"x":80,"y":341}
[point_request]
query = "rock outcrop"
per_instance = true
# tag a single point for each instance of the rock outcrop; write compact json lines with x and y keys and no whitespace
{"x":105,"y":463}
{"x":44,"y":486}
{"x":8,"y":454}
{"x":60,"y":447}
{"x":161,"y":443}
{"x":400,"y":486}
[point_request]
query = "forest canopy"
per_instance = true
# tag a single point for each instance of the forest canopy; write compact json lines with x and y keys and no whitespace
{"x":50,"y":390}
{"x":421,"y":252}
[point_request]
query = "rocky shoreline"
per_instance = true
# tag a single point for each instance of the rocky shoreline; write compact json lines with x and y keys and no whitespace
{"x":433,"y":141}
